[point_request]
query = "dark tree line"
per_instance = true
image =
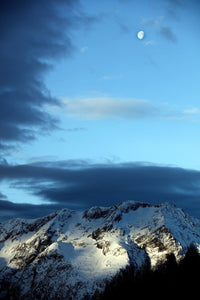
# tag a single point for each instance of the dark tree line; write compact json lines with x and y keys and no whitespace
{"x":169,"y":279}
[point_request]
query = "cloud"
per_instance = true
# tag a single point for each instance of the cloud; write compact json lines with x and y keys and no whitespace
{"x":109,"y":108}
{"x":76,"y":129}
{"x":165,"y":31}
{"x":33,"y":34}
{"x":168,"y":34}
{"x":173,"y":7}
{"x":42,"y":158}
{"x":3,"y":161}
{"x":183,"y":114}
{"x":113,"y":77}
{"x":9,"y":210}
{"x":149,"y":43}
{"x":2,"y":196}
{"x":84,"y":49}
{"x":99,"y":108}
{"x":191,"y":111}
{"x":124,"y":29}
{"x":81,"y":184}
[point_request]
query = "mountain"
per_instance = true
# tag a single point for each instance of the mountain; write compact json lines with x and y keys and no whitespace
{"x":70,"y":254}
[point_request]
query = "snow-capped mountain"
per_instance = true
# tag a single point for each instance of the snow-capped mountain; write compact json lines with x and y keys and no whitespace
{"x":69,"y":254}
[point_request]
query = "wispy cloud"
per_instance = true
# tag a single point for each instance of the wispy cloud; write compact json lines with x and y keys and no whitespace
{"x":168,"y":34}
{"x":149,"y":43}
{"x":164,"y":30}
{"x":109,"y":108}
{"x":3,"y":197}
{"x":191,"y":111}
{"x":173,"y":7}
{"x":98,"y":108}
{"x":84,"y":49}
{"x":111,"y":77}
{"x":75,"y":129}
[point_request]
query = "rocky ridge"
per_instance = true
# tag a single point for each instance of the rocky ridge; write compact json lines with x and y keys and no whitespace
{"x":70,"y":254}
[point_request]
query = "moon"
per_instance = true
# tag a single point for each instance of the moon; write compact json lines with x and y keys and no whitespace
{"x":140,"y":34}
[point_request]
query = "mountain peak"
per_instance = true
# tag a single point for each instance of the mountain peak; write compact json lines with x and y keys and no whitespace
{"x":73,"y":253}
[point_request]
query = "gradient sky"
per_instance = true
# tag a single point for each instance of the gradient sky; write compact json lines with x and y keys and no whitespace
{"x":82,"y":97}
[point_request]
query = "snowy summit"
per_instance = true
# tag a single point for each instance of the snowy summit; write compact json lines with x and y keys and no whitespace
{"x":72,"y":254}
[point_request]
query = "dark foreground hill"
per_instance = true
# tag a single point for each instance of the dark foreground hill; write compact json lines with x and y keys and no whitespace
{"x":168,"y":279}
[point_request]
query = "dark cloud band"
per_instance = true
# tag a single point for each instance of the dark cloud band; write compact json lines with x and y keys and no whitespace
{"x":80,"y":184}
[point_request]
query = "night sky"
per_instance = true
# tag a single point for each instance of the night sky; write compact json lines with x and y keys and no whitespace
{"x":90,"y":114}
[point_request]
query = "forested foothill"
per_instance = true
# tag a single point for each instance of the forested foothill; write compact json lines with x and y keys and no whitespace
{"x":167,"y":279}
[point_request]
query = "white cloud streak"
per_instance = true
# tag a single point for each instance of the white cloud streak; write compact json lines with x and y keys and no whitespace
{"x":84,"y":49}
{"x":98,"y":108}
{"x":109,"y":108}
{"x":149,"y":43}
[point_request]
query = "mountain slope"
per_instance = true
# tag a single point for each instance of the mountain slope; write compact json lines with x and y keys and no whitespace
{"x":69,"y":254}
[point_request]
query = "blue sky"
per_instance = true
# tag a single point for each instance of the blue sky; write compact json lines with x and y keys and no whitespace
{"x":88,"y":90}
{"x":111,"y":63}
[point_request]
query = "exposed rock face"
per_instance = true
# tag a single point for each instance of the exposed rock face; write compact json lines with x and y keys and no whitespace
{"x":69,"y":254}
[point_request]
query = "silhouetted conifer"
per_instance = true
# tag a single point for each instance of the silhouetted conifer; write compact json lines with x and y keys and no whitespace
{"x":165,"y":280}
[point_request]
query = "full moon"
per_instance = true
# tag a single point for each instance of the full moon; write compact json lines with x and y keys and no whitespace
{"x":140,"y":35}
